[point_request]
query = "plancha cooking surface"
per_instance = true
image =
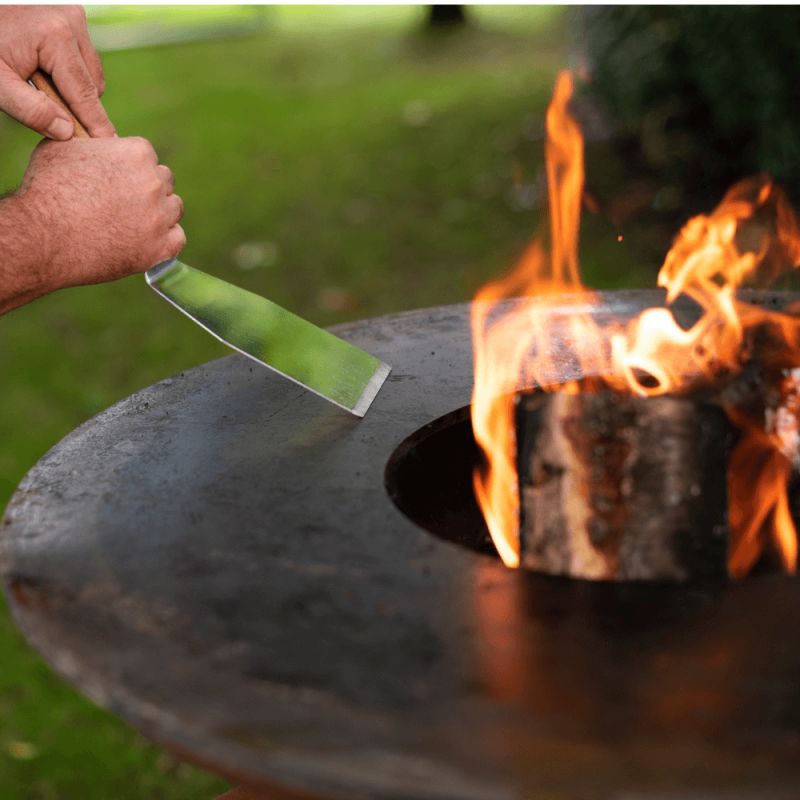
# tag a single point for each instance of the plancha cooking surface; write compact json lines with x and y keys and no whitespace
{"x":216,"y":560}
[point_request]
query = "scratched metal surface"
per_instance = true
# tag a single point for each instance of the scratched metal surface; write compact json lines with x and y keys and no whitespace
{"x":216,"y":560}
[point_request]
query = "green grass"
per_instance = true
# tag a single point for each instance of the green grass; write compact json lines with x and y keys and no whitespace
{"x":351,"y":167}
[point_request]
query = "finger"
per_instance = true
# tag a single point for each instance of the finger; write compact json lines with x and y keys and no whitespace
{"x":92,"y":60}
{"x":77,"y":21}
{"x":167,"y":178}
{"x":72,"y":78}
{"x":33,"y":108}
{"x":174,"y":209}
{"x":175,"y":242}
{"x":169,"y":247}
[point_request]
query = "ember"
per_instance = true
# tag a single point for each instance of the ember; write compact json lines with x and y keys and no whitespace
{"x":752,"y":237}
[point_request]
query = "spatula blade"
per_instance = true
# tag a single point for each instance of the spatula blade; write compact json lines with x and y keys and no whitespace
{"x":272,"y":336}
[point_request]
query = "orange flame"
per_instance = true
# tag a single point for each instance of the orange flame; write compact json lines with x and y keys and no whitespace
{"x":503,"y":341}
{"x":753,"y":235}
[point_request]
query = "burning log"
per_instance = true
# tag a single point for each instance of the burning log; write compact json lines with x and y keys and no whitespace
{"x":766,"y":397}
{"x":618,"y":487}
{"x":596,"y":470}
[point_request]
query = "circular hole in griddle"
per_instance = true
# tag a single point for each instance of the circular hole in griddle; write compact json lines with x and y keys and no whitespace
{"x":429,"y":478}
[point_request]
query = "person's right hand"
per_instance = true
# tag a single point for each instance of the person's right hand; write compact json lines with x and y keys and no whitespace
{"x":56,"y":40}
{"x":97,"y":210}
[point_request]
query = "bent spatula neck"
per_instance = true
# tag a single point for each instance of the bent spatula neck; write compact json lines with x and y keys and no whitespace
{"x":159,"y":270}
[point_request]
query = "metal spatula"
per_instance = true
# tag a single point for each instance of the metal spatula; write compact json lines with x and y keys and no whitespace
{"x":258,"y":328}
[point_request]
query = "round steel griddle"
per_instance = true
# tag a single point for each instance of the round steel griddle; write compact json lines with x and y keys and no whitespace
{"x":216,"y":559}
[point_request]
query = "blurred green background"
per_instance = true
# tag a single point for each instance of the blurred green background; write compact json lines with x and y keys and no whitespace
{"x":344,"y":162}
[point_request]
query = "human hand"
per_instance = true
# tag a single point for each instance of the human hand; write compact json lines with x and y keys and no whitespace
{"x":93,"y":210}
{"x":56,"y":40}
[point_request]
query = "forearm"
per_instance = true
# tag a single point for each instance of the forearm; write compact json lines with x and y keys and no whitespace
{"x":23,"y":253}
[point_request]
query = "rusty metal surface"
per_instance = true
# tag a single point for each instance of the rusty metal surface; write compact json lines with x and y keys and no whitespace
{"x":216,"y":560}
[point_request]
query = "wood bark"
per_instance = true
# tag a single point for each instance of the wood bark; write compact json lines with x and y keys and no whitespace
{"x":614,"y":487}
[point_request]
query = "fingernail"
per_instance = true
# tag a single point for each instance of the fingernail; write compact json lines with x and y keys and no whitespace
{"x":60,"y":129}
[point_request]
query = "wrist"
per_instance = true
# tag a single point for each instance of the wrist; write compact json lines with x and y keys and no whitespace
{"x":26,"y":251}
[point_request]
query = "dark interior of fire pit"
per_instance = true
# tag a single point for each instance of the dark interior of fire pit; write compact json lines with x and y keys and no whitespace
{"x":429,"y":478}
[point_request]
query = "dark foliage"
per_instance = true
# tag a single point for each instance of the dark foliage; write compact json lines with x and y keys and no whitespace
{"x":709,"y":94}
{"x":440,"y":16}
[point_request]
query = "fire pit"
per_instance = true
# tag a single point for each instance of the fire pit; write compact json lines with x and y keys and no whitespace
{"x":219,"y":560}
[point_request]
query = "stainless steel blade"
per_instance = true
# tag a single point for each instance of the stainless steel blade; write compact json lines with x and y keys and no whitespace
{"x":272,"y":336}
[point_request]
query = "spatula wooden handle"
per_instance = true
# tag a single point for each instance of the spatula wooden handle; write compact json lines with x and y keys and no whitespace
{"x":44,"y":83}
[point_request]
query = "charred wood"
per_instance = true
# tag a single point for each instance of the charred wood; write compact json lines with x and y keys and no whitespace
{"x":617,"y":487}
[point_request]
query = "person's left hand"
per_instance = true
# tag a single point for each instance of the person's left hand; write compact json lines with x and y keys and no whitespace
{"x":56,"y":40}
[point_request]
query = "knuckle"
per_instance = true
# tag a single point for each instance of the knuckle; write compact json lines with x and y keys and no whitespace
{"x":82,"y":86}
{"x":87,"y":91}
{"x":141,"y":145}
{"x":140,"y":148}
{"x":57,"y":27}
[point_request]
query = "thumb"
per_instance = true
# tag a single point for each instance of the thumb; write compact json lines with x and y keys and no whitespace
{"x":33,"y":108}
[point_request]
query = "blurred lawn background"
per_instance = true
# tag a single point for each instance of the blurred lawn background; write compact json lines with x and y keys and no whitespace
{"x":343,"y":162}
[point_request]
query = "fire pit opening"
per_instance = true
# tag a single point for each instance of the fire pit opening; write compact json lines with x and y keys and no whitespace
{"x":429,"y":477}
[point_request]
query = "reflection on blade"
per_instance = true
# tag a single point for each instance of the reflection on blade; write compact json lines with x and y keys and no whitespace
{"x":273,"y":336}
